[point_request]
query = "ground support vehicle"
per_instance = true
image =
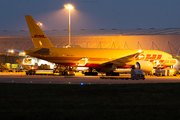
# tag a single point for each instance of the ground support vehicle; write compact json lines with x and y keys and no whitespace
{"x":90,"y":72}
{"x":63,"y":71}
{"x":165,"y":72}
{"x":136,"y":74}
{"x":60,"y":71}
{"x":4,"y":68}
{"x":31,"y":72}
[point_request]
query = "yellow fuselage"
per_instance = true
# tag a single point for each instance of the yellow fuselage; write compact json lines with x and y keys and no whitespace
{"x":92,"y":57}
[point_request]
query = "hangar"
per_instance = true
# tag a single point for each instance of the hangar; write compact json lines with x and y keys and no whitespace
{"x":166,"y":40}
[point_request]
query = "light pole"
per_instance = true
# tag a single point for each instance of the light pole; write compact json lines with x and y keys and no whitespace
{"x":69,"y":6}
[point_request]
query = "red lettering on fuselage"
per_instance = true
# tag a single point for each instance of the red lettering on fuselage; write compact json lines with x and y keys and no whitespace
{"x":166,"y":61}
{"x":39,"y":36}
{"x":161,"y":61}
{"x":149,"y":57}
{"x":159,"y":57}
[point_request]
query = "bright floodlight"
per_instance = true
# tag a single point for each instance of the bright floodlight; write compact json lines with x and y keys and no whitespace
{"x":68,"y":6}
{"x":22,"y":54}
{"x":11,"y":51}
{"x":39,"y":23}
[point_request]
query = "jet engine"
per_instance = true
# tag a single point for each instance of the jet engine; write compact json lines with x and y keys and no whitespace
{"x":146,"y":66}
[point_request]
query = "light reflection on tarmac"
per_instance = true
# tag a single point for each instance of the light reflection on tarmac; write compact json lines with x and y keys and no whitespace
{"x":47,"y":79}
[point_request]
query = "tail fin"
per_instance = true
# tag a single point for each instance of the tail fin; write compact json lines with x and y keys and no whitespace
{"x":39,"y":39}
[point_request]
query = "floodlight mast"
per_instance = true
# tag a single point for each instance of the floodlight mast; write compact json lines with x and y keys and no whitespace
{"x":69,"y":6}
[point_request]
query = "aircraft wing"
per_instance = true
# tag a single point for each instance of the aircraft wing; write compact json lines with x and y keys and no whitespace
{"x":122,"y":60}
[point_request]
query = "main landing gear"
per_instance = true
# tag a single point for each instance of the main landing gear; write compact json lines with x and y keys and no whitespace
{"x":91,"y":72}
{"x":63,"y":71}
{"x":111,"y":73}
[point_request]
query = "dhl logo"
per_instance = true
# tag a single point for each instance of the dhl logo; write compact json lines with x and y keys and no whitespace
{"x":39,"y":36}
{"x":152,"y":57}
{"x":149,"y":57}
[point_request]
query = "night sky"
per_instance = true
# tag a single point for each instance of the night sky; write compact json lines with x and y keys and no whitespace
{"x":91,"y":14}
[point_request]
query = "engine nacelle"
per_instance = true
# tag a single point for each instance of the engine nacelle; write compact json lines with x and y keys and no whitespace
{"x":146,"y":66}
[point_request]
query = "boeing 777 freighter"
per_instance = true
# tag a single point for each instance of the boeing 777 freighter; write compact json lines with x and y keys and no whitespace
{"x":102,"y":60}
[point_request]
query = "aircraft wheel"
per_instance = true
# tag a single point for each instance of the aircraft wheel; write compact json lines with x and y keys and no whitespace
{"x":90,"y":73}
{"x":107,"y":74}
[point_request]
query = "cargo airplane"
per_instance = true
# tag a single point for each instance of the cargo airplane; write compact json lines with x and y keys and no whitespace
{"x":101,"y":60}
